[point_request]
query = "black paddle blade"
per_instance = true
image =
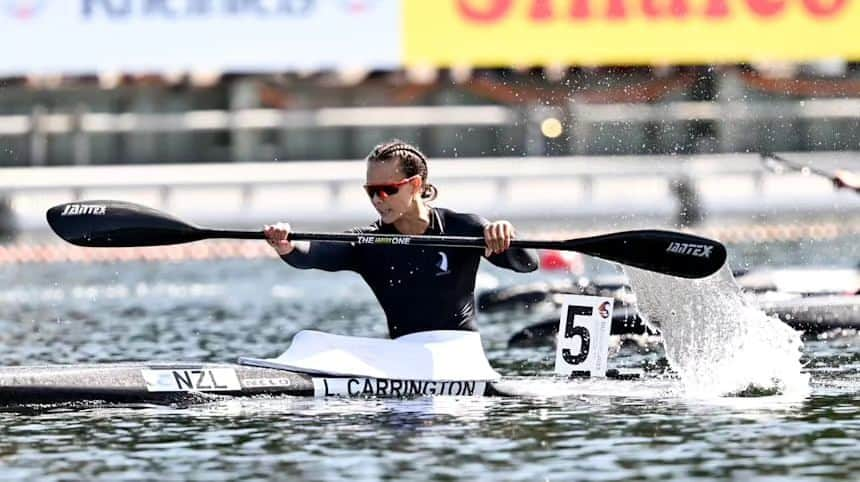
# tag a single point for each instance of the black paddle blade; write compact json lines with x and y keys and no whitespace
{"x":118,"y":224}
{"x":676,"y":254}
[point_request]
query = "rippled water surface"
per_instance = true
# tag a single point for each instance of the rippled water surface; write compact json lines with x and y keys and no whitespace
{"x":216,"y":311}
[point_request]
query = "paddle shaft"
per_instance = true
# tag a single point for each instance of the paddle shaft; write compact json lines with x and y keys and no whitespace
{"x":403,"y":239}
{"x":388,"y":239}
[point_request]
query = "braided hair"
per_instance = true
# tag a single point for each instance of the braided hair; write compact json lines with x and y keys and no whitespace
{"x":412,"y":162}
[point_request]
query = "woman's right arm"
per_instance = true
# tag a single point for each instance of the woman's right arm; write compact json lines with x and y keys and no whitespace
{"x":308,"y":255}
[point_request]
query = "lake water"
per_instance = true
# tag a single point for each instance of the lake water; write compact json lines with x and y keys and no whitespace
{"x":216,"y":311}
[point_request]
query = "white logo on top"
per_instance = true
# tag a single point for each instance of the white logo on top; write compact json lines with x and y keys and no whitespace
{"x":443,"y":264}
{"x":79,"y":209}
{"x":700,"y":250}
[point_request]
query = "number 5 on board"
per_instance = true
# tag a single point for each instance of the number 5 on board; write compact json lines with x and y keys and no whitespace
{"x":582,"y":348}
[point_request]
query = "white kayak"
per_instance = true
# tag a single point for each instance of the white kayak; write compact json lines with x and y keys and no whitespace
{"x":436,"y":363}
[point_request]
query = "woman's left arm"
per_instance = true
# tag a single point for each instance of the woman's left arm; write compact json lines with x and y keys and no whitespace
{"x":498,"y":236}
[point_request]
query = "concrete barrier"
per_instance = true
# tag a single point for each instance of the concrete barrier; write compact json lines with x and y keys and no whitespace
{"x":614,"y":191}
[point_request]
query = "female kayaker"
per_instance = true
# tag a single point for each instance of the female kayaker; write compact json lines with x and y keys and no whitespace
{"x":419,"y":288}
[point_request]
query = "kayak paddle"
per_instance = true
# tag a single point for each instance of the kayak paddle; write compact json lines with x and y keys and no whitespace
{"x":124,"y":224}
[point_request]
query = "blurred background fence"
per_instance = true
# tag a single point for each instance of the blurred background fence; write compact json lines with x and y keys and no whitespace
{"x":258,"y":119}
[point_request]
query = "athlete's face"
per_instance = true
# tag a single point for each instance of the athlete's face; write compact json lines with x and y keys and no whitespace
{"x":390,"y":192}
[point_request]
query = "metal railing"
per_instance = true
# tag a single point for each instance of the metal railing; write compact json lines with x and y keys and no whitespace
{"x":490,"y":115}
{"x":209,"y":120}
{"x":580,"y":120}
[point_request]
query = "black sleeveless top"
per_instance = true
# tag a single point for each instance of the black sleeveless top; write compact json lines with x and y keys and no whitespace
{"x":419,"y":288}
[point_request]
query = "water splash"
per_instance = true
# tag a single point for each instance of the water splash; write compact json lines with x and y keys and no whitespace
{"x":716,"y":340}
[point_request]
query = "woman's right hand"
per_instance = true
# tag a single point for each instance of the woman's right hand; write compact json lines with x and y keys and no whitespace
{"x":276,"y":236}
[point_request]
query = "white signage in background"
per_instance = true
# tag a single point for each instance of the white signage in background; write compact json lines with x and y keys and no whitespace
{"x":582,"y":346}
{"x":91,"y":36}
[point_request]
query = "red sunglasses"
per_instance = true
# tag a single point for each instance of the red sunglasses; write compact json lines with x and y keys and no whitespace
{"x":385,"y":190}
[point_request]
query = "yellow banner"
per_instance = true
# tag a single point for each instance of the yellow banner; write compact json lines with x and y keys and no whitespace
{"x":497,"y":33}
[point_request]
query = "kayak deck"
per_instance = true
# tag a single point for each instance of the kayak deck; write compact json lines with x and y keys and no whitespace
{"x":183,"y":382}
{"x":126,"y":382}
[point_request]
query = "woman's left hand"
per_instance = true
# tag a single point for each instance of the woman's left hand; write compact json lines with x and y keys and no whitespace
{"x":498,"y":236}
